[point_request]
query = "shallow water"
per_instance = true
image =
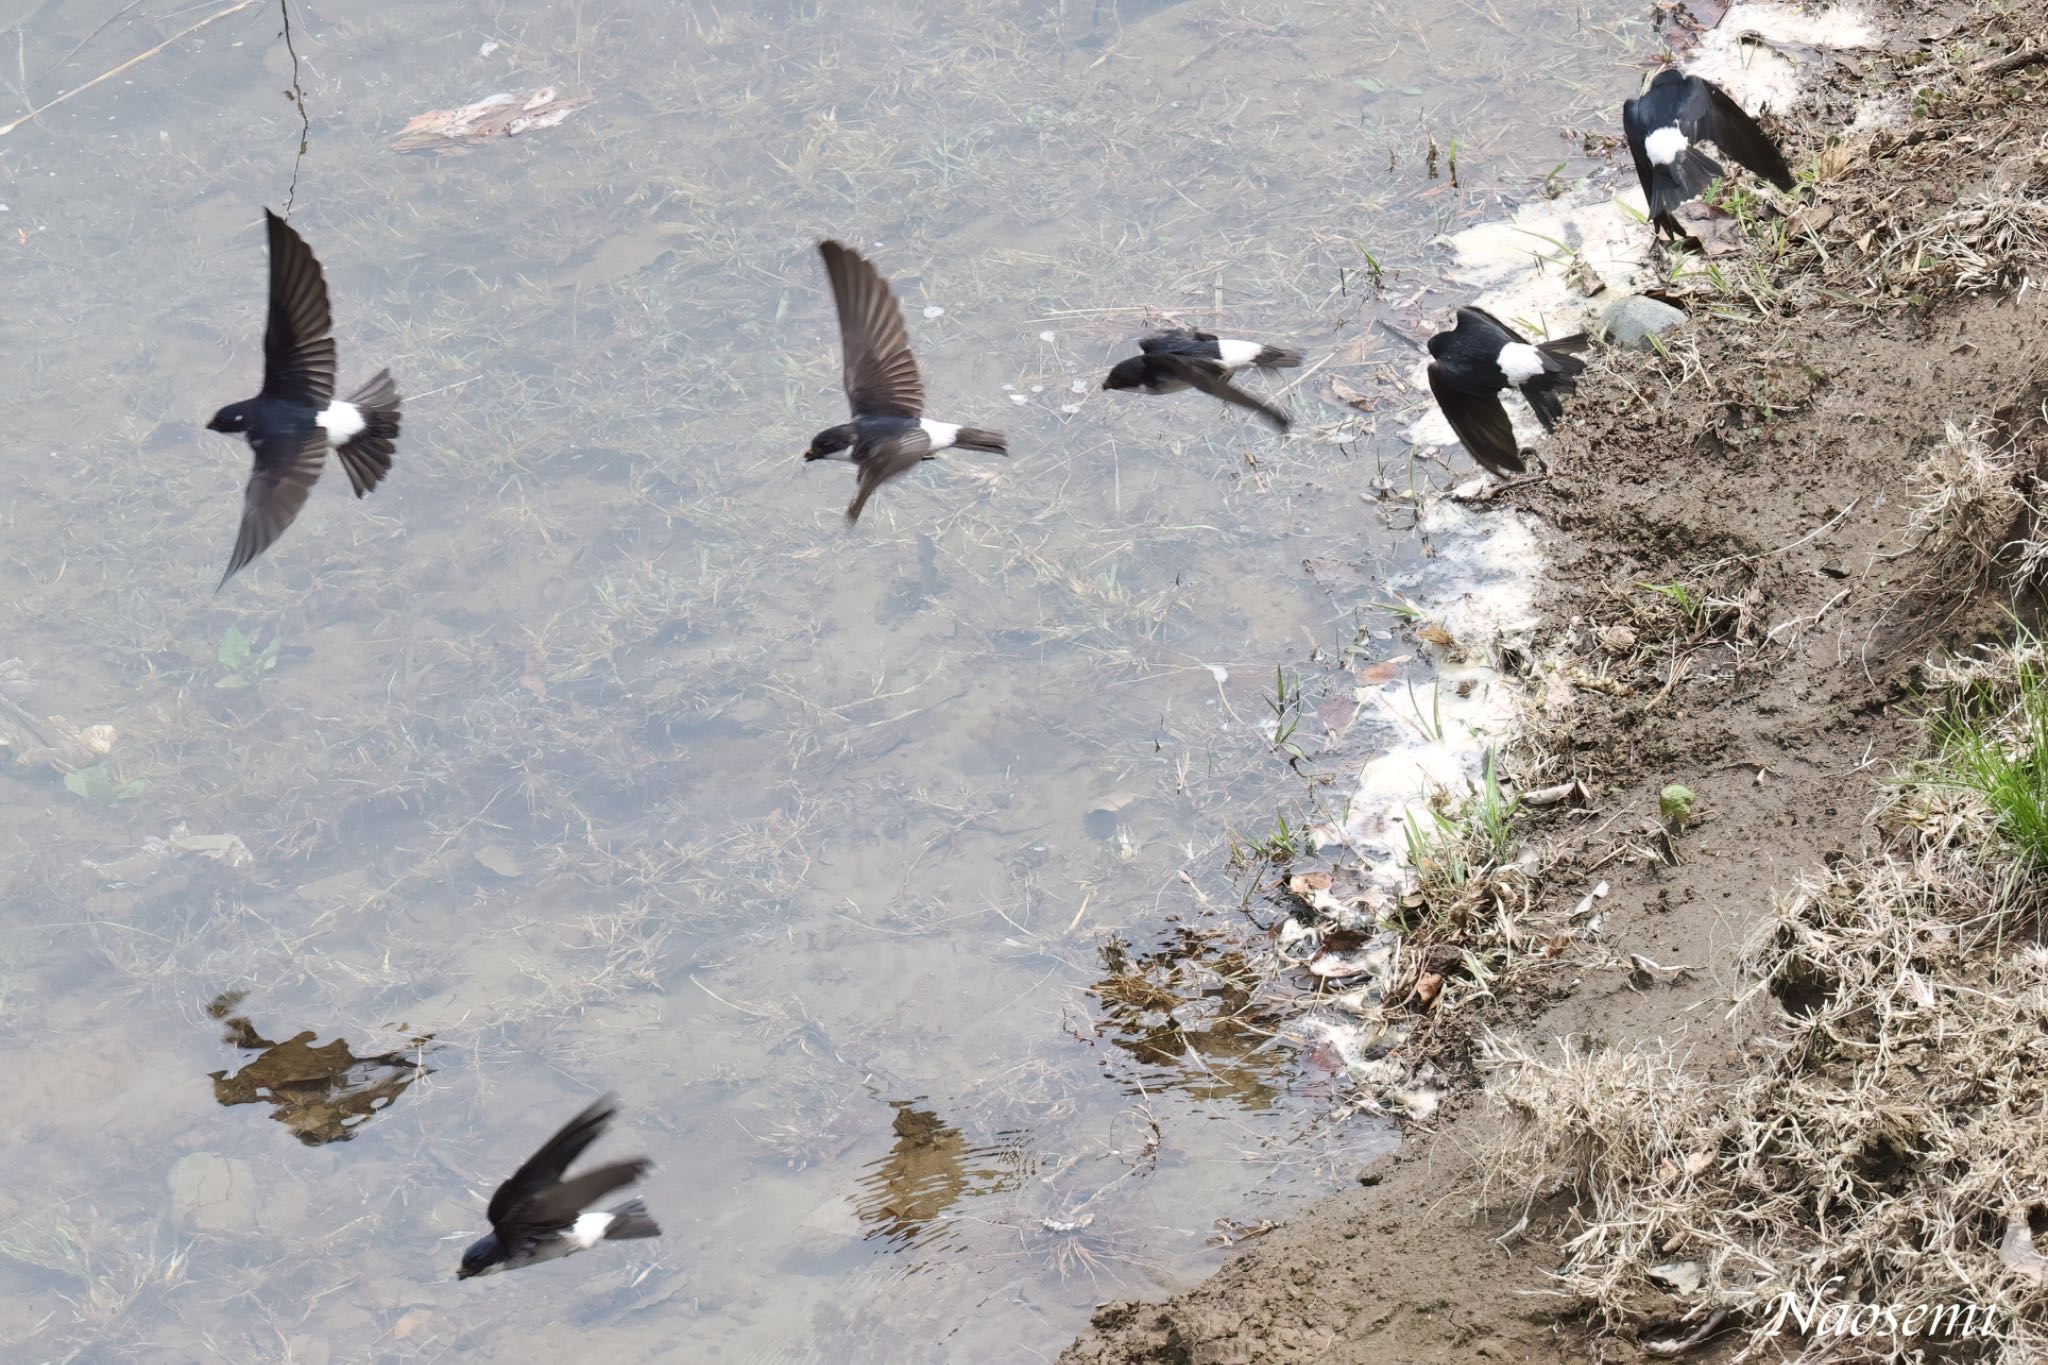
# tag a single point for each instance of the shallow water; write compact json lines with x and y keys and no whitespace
{"x":594,"y":753}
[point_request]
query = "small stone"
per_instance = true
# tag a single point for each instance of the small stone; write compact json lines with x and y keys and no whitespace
{"x":499,"y":860}
{"x":1631,"y":320}
{"x":932,"y":310}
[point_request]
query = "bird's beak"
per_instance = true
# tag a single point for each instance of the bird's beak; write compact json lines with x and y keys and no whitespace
{"x":810,"y":454}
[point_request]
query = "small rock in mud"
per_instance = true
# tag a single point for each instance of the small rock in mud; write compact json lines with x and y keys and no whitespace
{"x":1631,"y":320}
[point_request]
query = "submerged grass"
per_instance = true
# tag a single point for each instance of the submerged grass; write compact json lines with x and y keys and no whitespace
{"x":577,"y":710}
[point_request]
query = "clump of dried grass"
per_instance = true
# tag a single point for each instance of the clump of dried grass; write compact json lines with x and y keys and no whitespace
{"x":1966,"y":499}
{"x":1991,"y":241}
{"x":1885,"y":1145}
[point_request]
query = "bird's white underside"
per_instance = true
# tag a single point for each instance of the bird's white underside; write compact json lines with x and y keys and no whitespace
{"x":1665,"y":145}
{"x":1520,"y":362}
{"x":342,"y":422}
{"x":588,"y":1229}
{"x":1235,"y":355}
{"x":942,"y":434}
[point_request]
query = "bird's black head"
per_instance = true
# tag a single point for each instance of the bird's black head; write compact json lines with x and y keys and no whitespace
{"x":1127,"y":374}
{"x":483,"y":1256}
{"x":829,"y":442}
{"x":232,"y":419}
{"x":1440,"y":343}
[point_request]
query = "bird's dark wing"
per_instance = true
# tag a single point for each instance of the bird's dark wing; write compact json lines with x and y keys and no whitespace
{"x":1174,"y":340}
{"x":287,"y":467}
{"x":543,"y":1170}
{"x":298,"y":353}
{"x":1480,"y":321}
{"x":883,"y":461}
{"x":558,"y":1206}
{"x":1635,"y":123}
{"x":881,"y":374}
{"x":1480,"y":421}
{"x":1712,"y":114}
{"x":1205,"y":377}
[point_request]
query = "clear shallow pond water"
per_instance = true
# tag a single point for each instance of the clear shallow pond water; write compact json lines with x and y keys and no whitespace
{"x":594,"y":753}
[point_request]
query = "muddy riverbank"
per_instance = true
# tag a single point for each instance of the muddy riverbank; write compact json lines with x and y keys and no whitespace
{"x":1743,"y":584}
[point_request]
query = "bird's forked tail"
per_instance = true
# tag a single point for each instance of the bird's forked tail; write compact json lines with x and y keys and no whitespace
{"x":367,"y":454}
{"x":1681,"y":180}
{"x":1561,"y":370}
{"x":630,"y":1220}
{"x":980,"y":438}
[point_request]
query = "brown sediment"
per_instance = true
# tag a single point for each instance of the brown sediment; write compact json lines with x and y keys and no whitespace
{"x":1744,"y":580}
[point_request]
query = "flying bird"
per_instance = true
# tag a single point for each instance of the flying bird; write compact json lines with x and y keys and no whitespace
{"x":1666,"y":124}
{"x":1182,"y":358}
{"x":1474,"y":361}
{"x":538,"y":1216}
{"x":889,"y":434}
{"x":294,"y":418}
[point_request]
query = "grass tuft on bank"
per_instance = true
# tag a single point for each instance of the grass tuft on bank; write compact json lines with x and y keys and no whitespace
{"x":1876,"y":1141}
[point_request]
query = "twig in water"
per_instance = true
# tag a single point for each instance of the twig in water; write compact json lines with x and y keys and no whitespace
{"x":297,"y":95}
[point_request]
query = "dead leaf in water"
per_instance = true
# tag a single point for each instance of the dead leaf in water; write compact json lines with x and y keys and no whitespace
{"x":1386,"y":671}
{"x":1305,"y":884}
{"x":1348,"y":393}
{"x":1434,"y":633}
{"x":494,"y":116}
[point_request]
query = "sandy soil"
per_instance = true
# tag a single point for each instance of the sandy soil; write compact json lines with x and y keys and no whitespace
{"x":1764,"y":462}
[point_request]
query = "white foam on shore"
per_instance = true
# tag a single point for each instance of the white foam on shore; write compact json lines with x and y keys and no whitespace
{"x":1446,"y":729}
{"x":1753,"y":52}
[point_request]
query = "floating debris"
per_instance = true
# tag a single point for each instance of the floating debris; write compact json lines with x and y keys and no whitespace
{"x":490,"y":118}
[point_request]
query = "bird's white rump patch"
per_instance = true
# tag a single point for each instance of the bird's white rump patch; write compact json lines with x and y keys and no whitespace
{"x":342,"y":422}
{"x":942,"y":434}
{"x":1520,"y":362}
{"x":589,"y":1229}
{"x":1665,"y":145}
{"x":1235,"y":355}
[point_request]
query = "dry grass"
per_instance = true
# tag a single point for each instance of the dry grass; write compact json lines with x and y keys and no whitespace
{"x":1994,"y":240}
{"x":1882,"y":1144}
{"x":1966,"y":498}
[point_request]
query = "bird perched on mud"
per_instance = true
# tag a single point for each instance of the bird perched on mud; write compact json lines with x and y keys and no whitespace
{"x":1666,"y":124}
{"x":538,"y":1216}
{"x":294,"y":418}
{"x":1475,"y":360}
{"x":889,"y":433}
{"x":1182,"y":358}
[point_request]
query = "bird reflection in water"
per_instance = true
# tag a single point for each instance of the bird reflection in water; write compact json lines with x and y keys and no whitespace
{"x":322,"y":1093}
{"x":907,"y":1194}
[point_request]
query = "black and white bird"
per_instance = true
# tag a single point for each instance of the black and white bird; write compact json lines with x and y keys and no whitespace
{"x":1666,"y":124}
{"x":539,"y":1216}
{"x":1182,"y":358}
{"x":889,"y":433}
{"x":1474,"y":361}
{"x":294,"y":419}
